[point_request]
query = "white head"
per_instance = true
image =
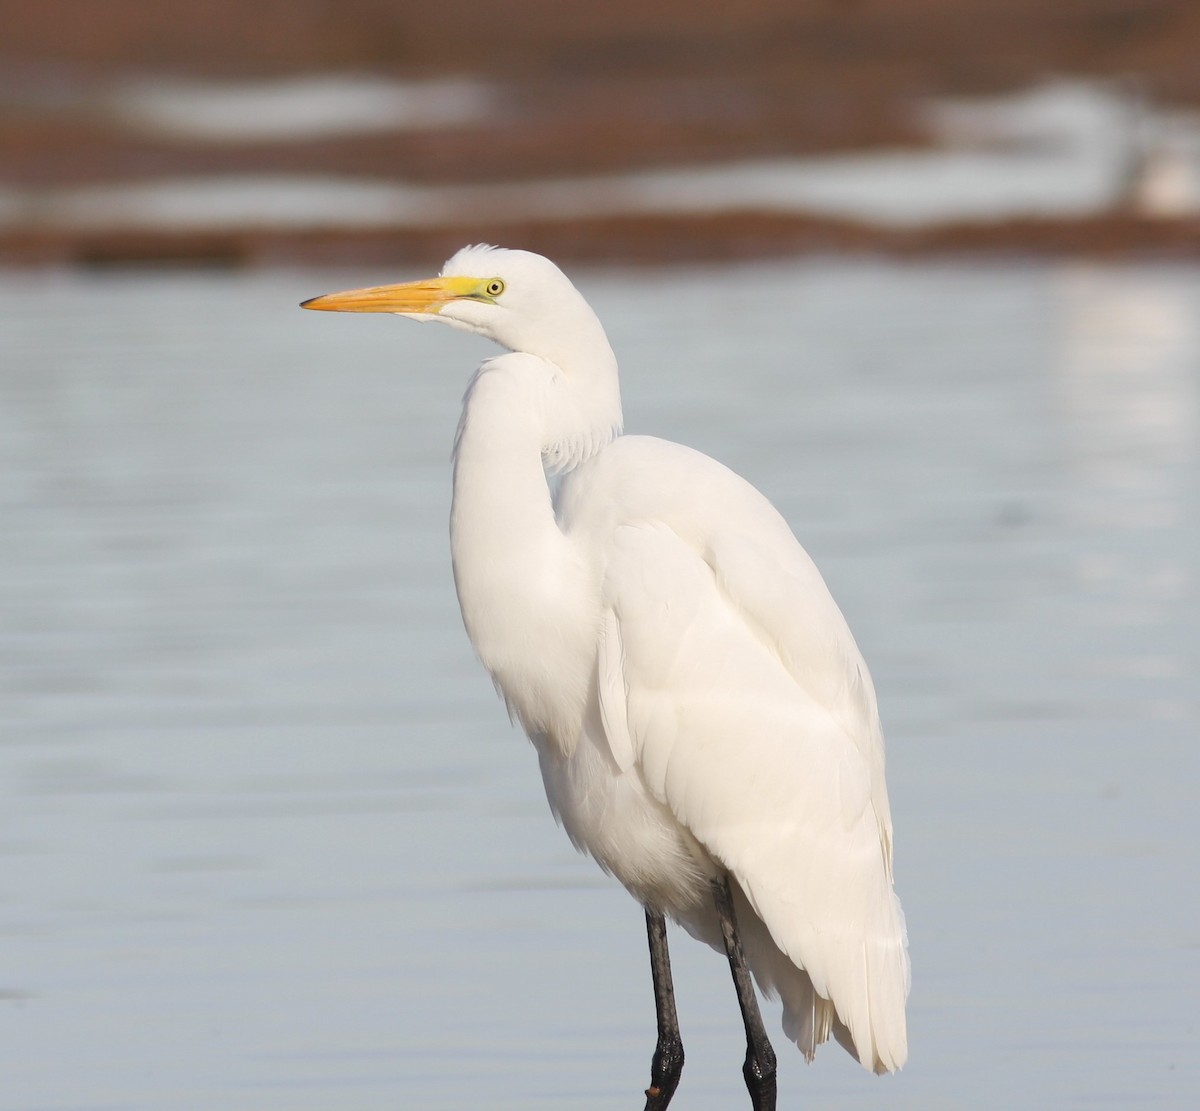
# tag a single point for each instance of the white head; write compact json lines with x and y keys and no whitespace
{"x":527,"y":304}
{"x":521,"y":300}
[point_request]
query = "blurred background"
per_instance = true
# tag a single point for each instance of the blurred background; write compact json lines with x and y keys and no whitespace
{"x":925,"y":271}
{"x":315,"y":130}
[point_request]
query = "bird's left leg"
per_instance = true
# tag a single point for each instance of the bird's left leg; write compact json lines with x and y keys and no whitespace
{"x":759,"y":1069}
{"x":668,"y":1054}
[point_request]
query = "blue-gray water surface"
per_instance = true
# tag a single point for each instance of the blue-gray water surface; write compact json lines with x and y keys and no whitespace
{"x":268,"y":840}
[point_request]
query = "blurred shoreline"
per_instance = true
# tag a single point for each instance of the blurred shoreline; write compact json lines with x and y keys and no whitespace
{"x":231,"y":136}
{"x":645,"y":240}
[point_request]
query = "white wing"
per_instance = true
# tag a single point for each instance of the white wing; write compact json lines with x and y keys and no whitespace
{"x":736,"y":689}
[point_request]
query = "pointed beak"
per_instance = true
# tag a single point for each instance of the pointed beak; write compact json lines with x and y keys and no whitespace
{"x":430,"y":295}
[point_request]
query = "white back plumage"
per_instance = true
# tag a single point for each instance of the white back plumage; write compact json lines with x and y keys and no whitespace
{"x":743,"y":704}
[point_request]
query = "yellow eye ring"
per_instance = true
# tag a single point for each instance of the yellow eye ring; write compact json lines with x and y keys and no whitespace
{"x":494,"y":288}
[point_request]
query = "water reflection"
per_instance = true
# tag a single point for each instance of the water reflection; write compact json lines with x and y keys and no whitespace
{"x":1129,"y":389}
{"x":1130,"y":349}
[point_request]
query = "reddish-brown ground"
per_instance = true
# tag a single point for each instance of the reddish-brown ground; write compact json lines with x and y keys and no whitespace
{"x":587,"y":87}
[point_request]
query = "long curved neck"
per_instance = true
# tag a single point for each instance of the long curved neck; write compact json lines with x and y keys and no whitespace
{"x":521,"y":583}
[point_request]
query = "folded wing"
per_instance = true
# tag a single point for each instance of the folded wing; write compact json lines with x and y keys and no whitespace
{"x":729,"y":679}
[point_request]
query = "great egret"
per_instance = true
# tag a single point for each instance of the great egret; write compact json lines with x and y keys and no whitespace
{"x":705,"y":725}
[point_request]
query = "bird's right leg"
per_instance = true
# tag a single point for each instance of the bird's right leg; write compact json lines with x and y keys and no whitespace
{"x":668,"y":1055}
{"x":759,"y":1069}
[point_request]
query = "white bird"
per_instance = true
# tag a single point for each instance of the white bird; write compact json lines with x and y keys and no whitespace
{"x":706,"y":727}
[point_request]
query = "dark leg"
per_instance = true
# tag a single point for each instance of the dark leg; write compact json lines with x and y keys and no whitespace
{"x":759,"y":1069}
{"x":668,"y":1055}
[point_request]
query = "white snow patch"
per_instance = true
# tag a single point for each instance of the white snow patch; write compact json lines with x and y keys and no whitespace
{"x":297,"y":108}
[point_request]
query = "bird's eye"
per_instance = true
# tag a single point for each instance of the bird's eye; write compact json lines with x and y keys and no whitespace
{"x":494,"y":288}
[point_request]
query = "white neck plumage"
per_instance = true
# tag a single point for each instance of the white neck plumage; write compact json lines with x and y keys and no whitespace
{"x":519,"y":579}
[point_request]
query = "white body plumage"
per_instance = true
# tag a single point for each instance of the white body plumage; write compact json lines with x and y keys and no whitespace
{"x":698,"y":704}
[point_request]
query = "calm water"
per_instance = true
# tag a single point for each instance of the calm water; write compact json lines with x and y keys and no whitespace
{"x":269,"y":842}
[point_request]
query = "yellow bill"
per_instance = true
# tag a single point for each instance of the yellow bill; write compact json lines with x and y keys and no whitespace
{"x":430,"y":295}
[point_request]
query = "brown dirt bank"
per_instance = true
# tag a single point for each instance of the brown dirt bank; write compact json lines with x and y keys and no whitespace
{"x":586,"y":88}
{"x":624,"y":240}
{"x":906,"y":45}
